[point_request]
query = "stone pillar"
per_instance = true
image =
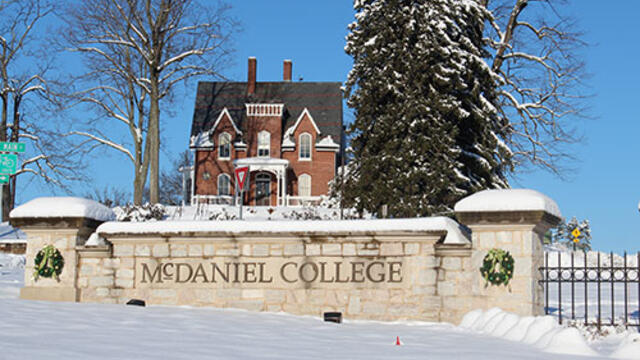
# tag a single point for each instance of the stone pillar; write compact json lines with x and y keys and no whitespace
{"x":65,"y":223}
{"x":514,"y":220}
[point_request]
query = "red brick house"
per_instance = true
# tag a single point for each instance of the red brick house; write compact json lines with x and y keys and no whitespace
{"x":288,"y":133}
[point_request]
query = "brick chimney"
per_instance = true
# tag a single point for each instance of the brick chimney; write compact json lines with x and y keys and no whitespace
{"x":251,"y":78}
{"x":286,"y":73}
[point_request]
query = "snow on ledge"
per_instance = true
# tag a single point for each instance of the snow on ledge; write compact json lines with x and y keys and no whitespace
{"x":63,"y":207}
{"x":456,"y":234}
{"x":508,"y":200}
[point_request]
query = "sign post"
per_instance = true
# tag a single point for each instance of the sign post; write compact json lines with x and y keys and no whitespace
{"x":8,"y":162}
{"x":242,"y":173}
{"x":576,"y":237}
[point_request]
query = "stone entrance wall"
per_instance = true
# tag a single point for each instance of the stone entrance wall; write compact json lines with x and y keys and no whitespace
{"x":367,"y":270}
{"x":385,"y":277}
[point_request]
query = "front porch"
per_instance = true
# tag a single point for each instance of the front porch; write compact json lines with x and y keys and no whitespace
{"x":260,"y":190}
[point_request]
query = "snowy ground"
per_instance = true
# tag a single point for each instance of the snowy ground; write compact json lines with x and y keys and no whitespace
{"x":32,"y":329}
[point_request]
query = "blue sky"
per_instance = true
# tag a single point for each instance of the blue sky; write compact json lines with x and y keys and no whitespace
{"x":604,"y":186}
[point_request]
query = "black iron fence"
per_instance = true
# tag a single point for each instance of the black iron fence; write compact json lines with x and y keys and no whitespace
{"x":599,"y":289}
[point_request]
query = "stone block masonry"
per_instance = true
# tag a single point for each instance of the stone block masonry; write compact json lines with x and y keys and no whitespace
{"x":403,"y":269}
{"x":269,"y":272}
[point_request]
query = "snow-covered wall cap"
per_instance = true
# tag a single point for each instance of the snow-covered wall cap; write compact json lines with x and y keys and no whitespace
{"x":456,"y":234}
{"x":508,"y":200}
{"x":63,"y":207}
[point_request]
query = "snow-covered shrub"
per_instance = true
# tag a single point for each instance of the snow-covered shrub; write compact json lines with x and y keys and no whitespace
{"x":135,"y":213}
{"x":305,"y":213}
{"x":591,"y":331}
{"x":220,"y":215}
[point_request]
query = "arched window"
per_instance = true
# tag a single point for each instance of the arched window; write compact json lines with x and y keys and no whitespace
{"x":224,"y":146}
{"x":224,"y":182}
{"x":304,"y":185}
{"x":305,"y":146}
{"x":264,"y":144}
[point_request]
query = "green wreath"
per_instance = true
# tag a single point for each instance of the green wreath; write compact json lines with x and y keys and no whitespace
{"x":497,"y":267}
{"x":48,"y":263}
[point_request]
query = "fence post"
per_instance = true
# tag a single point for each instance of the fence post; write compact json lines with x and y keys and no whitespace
{"x":514,"y":220}
{"x":65,"y":223}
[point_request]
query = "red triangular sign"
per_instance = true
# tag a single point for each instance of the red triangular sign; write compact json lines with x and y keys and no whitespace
{"x":241,"y":176}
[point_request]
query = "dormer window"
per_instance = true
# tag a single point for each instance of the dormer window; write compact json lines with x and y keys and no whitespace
{"x":305,"y":146}
{"x":264,"y":144}
{"x":224,"y":146}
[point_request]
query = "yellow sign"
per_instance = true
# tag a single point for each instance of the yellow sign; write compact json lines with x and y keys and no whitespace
{"x":576,"y":240}
{"x":576,"y":234}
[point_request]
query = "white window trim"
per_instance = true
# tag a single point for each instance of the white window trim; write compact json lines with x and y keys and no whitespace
{"x":218,"y":184}
{"x":300,"y":185}
{"x":219,"y":142}
{"x":269,"y":144}
{"x":300,"y":158}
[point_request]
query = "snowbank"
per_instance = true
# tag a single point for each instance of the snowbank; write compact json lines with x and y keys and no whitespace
{"x":456,"y":234}
{"x":629,"y":348}
{"x":508,"y":200}
{"x":542,"y":332}
{"x":59,"y":207}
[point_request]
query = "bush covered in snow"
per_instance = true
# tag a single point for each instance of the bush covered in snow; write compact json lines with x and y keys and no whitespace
{"x":221,"y":214}
{"x":135,"y":213}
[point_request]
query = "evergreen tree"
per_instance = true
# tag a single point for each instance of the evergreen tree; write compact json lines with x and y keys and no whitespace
{"x":565,"y":234}
{"x":426,"y":131}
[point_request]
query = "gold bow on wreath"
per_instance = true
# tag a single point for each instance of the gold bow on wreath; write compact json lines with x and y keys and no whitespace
{"x":48,"y":263}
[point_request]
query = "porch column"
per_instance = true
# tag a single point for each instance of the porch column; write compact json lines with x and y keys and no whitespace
{"x":284,"y":187}
{"x":278,"y":202}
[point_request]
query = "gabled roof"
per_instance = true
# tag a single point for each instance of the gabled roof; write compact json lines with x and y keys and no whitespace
{"x":322,"y":99}
{"x":219,"y":119}
{"x":292,"y":129}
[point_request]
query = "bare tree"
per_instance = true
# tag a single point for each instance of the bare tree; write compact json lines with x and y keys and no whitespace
{"x":110,"y":86}
{"x":536,"y":58}
{"x":20,"y":82}
{"x":171,"y":179}
{"x":167,"y":43}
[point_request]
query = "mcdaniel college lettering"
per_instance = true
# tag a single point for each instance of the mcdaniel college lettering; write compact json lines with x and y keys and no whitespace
{"x":259,"y":272}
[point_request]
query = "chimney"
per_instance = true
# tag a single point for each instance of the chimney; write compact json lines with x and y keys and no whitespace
{"x":286,"y":74}
{"x":251,"y":78}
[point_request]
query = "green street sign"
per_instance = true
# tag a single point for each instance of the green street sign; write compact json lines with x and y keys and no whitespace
{"x":8,"y":163}
{"x":4,"y":179}
{"x":12,"y":147}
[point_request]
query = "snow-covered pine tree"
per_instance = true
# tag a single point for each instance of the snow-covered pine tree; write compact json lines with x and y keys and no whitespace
{"x":426,"y":132}
{"x":564,"y":234}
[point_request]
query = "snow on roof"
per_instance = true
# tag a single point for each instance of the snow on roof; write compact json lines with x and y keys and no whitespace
{"x":260,"y":161}
{"x":327,"y":142}
{"x":456,"y":234}
{"x":508,"y":200}
{"x":202,"y":140}
{"x":287,"y":142}
{"x":58,"y":207}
